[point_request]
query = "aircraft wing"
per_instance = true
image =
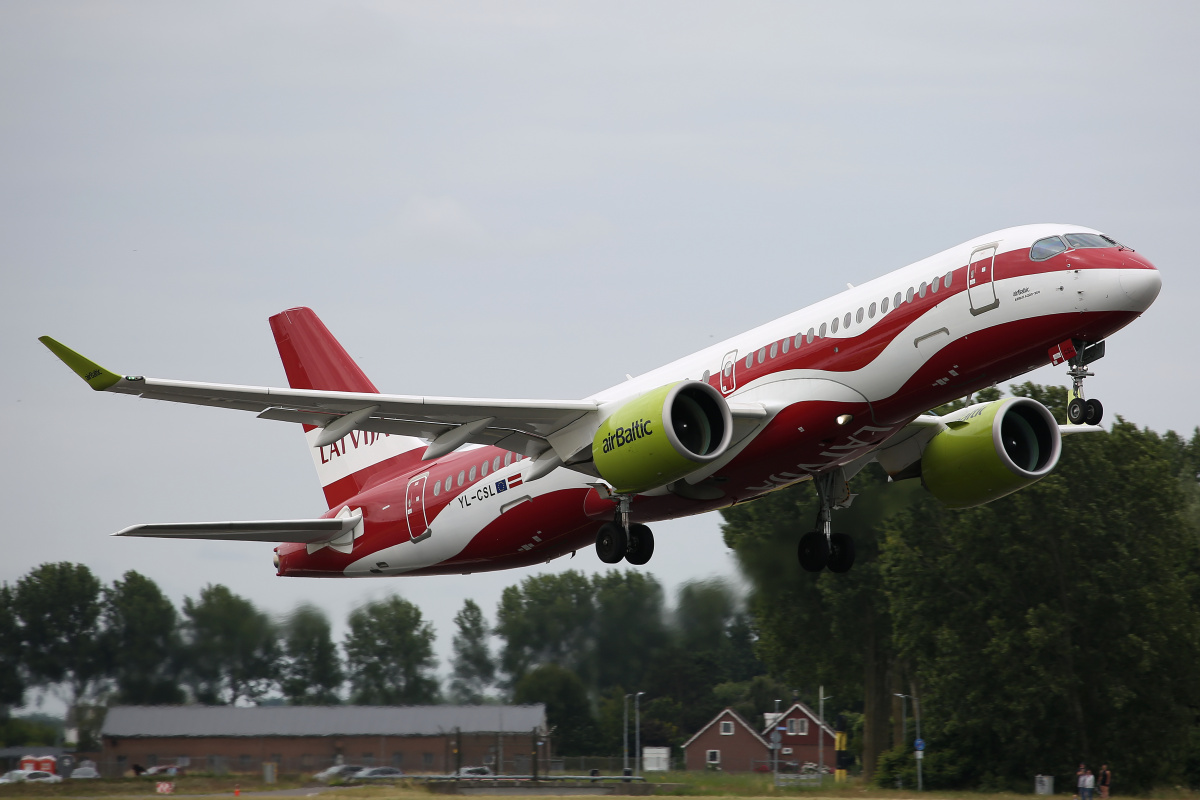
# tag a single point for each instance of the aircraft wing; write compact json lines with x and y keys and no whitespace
{"x":518,"y":425}
{"x":304,"y":531}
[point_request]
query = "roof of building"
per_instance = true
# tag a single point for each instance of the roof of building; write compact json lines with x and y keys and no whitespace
{"x":770,"y":719}
{"x":730,"y":714}
{"x":143,"y":721}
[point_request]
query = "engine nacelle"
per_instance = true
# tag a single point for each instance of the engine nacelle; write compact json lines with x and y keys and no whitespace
{"x":990,"y":451}
{"x":662,"y":436}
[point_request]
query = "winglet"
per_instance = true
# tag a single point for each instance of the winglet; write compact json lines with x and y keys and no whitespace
{"x":97,"y":376}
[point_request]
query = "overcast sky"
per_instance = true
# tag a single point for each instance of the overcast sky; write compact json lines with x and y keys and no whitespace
{"x":519,"y":200}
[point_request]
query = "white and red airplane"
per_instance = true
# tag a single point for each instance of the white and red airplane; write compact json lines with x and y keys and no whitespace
{"x":437,"y":485}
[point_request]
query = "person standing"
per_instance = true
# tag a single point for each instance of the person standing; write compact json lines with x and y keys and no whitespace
{"x":1105,"y":780}
{"x":1089,"y":785}
{"x":1080,"y":774}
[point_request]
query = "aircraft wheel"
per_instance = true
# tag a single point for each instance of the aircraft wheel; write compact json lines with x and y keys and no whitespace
{"x":813,"y":551}
{"x":1094,"y":412}
{"x":1076,"y":411}
{"x":611,"y":543}
{"x":841,"y":552}
{"x":641,"y":545}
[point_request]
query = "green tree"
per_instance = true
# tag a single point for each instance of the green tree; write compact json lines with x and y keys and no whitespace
{"x":57,"y":607}
{"x":568,"y":710}
{"x":547,"y":619}
{"x":142,"y":636}
{"x":1047,"y":626}
{"x":473,"y":670}
{"x":311,"y":671}
{"x":389,"y":654}
{"x":232,"y":650}
{"x":12,"y":685}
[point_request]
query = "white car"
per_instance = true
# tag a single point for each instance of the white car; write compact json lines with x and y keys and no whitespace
{"x":16,"y":776}
{"x":37,"y":776}
{"x":84,"y":772}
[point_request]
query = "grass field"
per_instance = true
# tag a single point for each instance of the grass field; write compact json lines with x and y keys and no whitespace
{"x":713,"y":785}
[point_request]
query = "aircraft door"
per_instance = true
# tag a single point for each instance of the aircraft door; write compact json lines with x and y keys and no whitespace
{"x":980,"y":288}
{"x":414,"y":508}
{"x":729,"y":372}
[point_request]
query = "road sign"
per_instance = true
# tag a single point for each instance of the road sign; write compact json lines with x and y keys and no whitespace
{"x":919,"y":745}
{"x":920,"y":754}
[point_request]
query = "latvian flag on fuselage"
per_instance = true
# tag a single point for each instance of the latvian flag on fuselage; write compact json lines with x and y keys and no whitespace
{"x":511,"y":483}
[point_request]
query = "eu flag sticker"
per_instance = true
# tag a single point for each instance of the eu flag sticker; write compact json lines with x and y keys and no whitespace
{"x":501,"y":485}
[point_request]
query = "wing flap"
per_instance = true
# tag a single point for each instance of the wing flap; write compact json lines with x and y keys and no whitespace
{"x":304,"y":531}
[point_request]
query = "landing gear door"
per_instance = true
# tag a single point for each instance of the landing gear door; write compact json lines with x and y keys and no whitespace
{"x":728,"y":372}
{"x":414,"y":508}
{"x":980,"y":287}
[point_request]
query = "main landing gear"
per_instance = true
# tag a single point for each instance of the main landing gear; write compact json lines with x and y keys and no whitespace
{"x":1080,"y":411}
{"x":821,"y":548}
{"x":621,"y":539}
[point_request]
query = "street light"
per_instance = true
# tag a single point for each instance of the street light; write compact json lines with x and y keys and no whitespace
{"x":920,"y":755}
{"x":637,"y":733}
{"x":903,"y":716}
{"x":625,"y":737}
{"x":821,"y":698}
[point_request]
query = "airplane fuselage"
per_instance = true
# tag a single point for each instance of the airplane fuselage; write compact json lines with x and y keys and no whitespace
{"x":835,"y":381}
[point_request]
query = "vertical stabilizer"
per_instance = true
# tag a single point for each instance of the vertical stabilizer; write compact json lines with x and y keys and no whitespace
{"x":313,"y":359}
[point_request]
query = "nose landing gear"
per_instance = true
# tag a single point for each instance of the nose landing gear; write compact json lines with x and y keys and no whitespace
{"x":1079,"y":410}
{"x":821,"y":548}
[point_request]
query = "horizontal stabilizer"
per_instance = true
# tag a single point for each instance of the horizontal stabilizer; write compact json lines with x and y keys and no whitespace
{"x":304,"y":531}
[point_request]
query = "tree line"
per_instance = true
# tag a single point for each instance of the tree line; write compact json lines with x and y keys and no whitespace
{"x":1055,"y":626}
{"x":578,"y":644}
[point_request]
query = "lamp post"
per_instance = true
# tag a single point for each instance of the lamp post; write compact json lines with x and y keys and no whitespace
{"x":821,"y":698}
{"x":625,"y":737}
{"x":637,"y":734}
{"x":920,"y":755}
{"x":903,"y":716}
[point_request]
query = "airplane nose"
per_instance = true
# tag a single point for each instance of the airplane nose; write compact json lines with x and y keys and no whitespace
{"x":1141,"y":286}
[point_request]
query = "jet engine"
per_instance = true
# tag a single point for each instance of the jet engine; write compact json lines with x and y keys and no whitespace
{"x":990,"y":451}
{"x":662,"y":436}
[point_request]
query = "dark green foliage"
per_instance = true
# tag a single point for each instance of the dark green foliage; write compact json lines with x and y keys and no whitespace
{"x":568,"y":710}
{"x":12,"y":685}
{"x":311,"y":671}
{"x":389,"y":654}
{"x":142,"y":637}
{"x":57,"y":607}
{"x":232,"y":648}
{"x":473,"y":669}
{"x":29,"y":732}
{"x":1056,"y":625}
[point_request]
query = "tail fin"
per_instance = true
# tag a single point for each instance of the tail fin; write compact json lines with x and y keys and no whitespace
{"x":313,"y":359}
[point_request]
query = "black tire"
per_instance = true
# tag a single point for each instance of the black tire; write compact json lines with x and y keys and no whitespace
{"x":1094,"y":412}
{"x":641,"y":545}
{"x":611,"y":543}
{"x":813,"y":551}
{"x":1076,"y":411}
{"x":841,"y":552}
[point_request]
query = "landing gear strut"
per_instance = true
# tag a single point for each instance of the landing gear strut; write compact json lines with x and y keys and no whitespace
{"x":1080,"y":411}
{"x":621,"y":539}
{"x":822,"y":548}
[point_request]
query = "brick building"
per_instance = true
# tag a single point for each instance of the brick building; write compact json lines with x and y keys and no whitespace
{"x":727,"y":743}
{"x":417,"y":739}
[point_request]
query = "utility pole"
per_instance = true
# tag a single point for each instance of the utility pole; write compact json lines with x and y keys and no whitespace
{"x":821,"y":698}
{"x":625,"y":737}
{"x":920,"y":753}
{"x":637,"y":728}
{"x":903,"y":717}
{"x":775,"y":746}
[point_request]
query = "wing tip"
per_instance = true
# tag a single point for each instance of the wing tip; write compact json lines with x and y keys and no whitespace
{"x":96,"y":376}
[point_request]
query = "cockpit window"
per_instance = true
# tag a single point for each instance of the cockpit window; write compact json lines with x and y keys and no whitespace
{"x":1046,"y":248}
{"x":1089,"y":240}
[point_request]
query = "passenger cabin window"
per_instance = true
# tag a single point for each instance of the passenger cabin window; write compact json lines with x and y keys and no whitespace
{"x":484,"y":469}
{"x":496,"y":464}
{"x":949,"y":277}
{"x":896,"y":300}
{"x":909,"y":296}
{"x":883,"y":307}
{"x":846,"y":321}
{"x":1082,"y":240}
{"x":437,"y":488}
{"x":800,"y":337}
{"x":859,"y":317}
{"x":1047,"y":248}
{"x":462,"y":477}
{"x":809,"y":336}
{"x":507,"y":458}
{"x":871,"y":310}
{"x":750,"y":361}
{"x":834,"y":325}
{"x":762,"y":354}
{"x":935,"y":285}
{"x":821,"y":335}
{"x":786,"y":343}
{"x":774,"y":349}
{"x":922,"y":288}
{"x":471,"y":477}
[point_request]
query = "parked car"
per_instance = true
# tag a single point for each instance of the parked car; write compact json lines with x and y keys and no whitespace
{"x":378,"y":774}
{"x":164,"y":769}
{"x":338,"y":772}
{"x":85,"y":772}
{"x":15,"y":776}
{"x":38,"y":776}
{"x":473,"y":772}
